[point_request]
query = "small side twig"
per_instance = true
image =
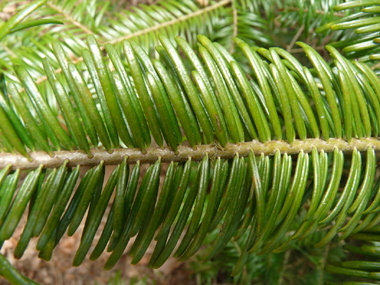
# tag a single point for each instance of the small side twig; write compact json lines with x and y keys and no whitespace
{"x":298,"y":50}
{"x":295,"y":38}
{"x":70,"y":19}
{"x":323,"y":263}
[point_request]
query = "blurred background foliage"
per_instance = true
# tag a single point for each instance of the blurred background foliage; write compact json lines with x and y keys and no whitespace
{"x":261,"y":22}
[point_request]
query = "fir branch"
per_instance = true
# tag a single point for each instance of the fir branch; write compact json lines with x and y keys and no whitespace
{"x":157,"y":27}
{"x":70,"y":19}
{"x":166,"y":154}
{"x":173,"y":22}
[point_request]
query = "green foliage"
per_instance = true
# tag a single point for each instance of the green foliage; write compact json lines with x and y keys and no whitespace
{"x":109,"y":94}
{"x":362,"y":21}
{"x":306,"y":16}
{"x":145,"y":97}
{"x":14,"y":25}
{"x":110,"y":24}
